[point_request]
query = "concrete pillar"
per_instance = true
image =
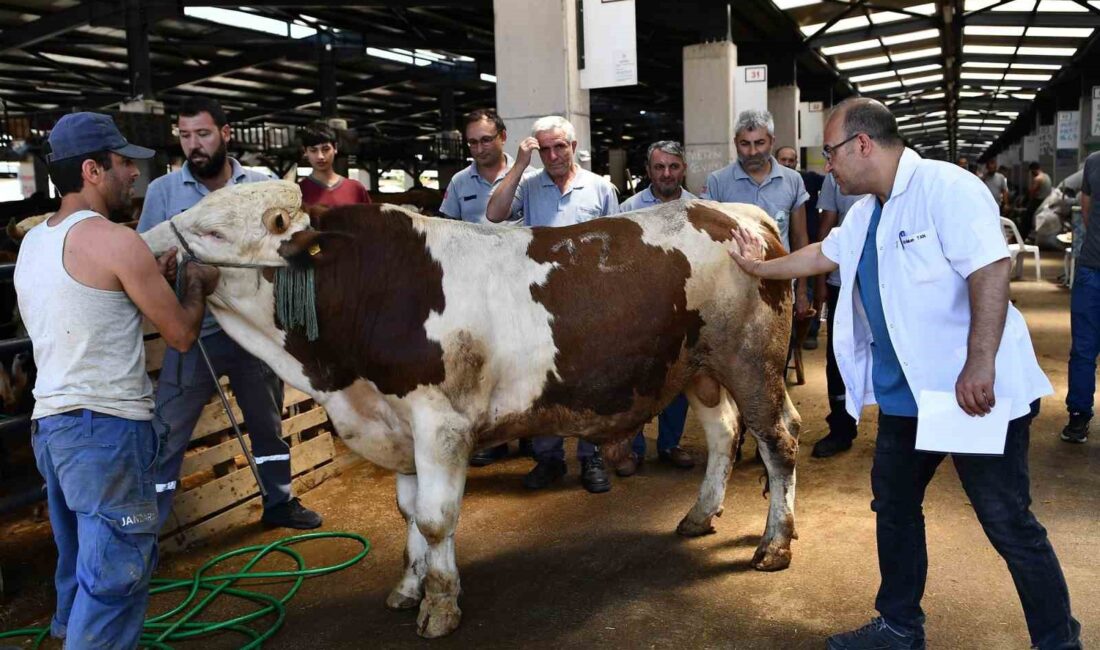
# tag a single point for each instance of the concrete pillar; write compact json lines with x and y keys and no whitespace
{"x":536,"y":70}
{"x":709,"y":70}
{"x":617,"y":164}
{"x":783,"y":105}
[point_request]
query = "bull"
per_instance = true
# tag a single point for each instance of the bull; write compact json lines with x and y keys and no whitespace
{"x":437,"y":337}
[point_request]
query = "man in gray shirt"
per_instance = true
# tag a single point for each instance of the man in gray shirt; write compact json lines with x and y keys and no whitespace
{"x":562,"y":194}
{"x":996,"y":183}
{"x":833,"y":205}
{"x":1085,"y":311}
{"x":758,"y":178}
{"x":185,"y":385}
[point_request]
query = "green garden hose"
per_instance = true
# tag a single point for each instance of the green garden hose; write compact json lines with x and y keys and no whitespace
{"x":178,"y":623}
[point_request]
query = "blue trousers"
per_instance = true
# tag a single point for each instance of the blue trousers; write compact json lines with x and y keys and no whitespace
{"x":999,"y":490}
{"x":670,"y":427}
{"x":1084,"y":309}
{"x":103,"y":509}
{"x":185,"y":387}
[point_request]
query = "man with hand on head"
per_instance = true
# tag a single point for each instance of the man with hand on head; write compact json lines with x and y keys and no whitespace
{"x":562,"y":194}
{"x":925,"y":260}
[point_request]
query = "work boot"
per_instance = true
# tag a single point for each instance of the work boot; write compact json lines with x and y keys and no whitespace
{"x":594,"y":476}
{"x":546,"y":472}
{"x":483,"y":457}
{"x":291,"y":514}
{"x":630,"y":465}
{"x":1077,"y":430}
{"x":832,"y":444}
{"x":677,"y":457}
{"x":876,"y":635}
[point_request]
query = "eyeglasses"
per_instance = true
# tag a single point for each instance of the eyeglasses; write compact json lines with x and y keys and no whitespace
{"x":828,"y":150}
{"x":482,"y":142}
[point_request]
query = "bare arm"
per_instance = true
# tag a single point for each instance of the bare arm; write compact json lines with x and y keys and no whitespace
{"x":1086,"y":205}
{"x":499,"y":207}
{"x":988,"y":289}
{"x":179,"y":322}
{"x":748,"y":251}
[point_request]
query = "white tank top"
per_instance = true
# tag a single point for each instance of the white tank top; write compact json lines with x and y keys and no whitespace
{"x":87,"y":342}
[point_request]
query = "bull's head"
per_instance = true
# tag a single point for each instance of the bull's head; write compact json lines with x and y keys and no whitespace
{"x":244,"y":223}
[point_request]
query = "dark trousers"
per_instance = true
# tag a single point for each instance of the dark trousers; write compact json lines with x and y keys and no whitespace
{"x":840,"y":422}
{"x":185,"y":387}
{"x":999,"y":490}
{"x":1084,"y":309}
{"x":670,"y":427}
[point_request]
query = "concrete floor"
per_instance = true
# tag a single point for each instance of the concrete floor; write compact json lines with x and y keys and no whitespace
{"x":567,"y":569}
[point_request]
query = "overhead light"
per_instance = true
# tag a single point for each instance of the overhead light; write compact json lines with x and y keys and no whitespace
{"x":1044,"y":6}
{"x":882,"y":86}
{"x":871,"y":76}
{"x":990,"y":30}
{"x":933,"y":96}
{"x":1060,"y":32}
{"x":923,"y":80}
{"x":850,"y":64}
{"x":641,"y":112}
{"x":913,"y":36}
{"x":791,"y":4}
{"x":1048,"y":51}
{"x":850,"y":47}
{"x":841,"y":25}
{"x":915,"y":54}
{"x":988,"y":49}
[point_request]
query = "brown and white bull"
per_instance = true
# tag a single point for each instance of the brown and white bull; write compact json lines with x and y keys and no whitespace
{"x":439,"y":337}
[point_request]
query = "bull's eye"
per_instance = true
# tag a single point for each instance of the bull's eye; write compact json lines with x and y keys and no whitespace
{"x":215,"y":235}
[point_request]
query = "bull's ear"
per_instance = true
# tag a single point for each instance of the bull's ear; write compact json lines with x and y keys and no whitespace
{"x":316,"y":212}
{"x":313,"y":247}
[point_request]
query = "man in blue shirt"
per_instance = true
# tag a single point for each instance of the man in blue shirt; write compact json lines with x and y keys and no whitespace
{"x":468,"y":192}
{"x":185,"y":385}
{"x":666,"y":169}
{"x":757,"y":178}
{"x":562,"y":194}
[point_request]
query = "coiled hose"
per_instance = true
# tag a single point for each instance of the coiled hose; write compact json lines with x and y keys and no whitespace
{"x":204,"y":587}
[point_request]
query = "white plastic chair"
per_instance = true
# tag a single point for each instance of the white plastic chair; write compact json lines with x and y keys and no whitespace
{"x":1016,"y":246}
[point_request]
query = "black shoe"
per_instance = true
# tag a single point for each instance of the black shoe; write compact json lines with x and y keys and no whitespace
{"x":1077,"y":430}
{"x":594,"y":474}
{"x":291,"y":514}
{"x":484,"y":457}
{"x":526,"y":447}
{"x":831,"y":445}
{"x":545,"y":473}
{"x":809,"y":343}
{"x":876,"y":635}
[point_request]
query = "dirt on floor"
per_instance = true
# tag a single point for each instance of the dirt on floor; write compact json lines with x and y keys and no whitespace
{"x":563,"y":568}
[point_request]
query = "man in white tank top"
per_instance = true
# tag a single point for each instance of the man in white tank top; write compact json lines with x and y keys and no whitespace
{"x":83,"y":284}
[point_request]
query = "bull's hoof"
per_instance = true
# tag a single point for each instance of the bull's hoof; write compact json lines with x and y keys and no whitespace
{"x":771,"y":558}
{"x":691,"y":528}
{"x":438,"y":617}
{"x":399,"y":601}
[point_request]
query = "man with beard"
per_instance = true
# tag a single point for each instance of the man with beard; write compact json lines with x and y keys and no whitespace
{"x":758,"y":178}
{"x":562,"y":194}
{"x":924,"y":306}
{"x":185,"y":385}
{"x":666,"y":169}
{"x":83,"y":285}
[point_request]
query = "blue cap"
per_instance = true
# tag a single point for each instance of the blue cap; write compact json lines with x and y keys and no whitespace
{"x":76,"y":134}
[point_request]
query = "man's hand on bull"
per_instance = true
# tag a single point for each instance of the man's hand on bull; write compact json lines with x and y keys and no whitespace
{"x":206,"y":276}
{"x":167,"y":265}
{"x":526,"y":147}
{"x":747,"y":249}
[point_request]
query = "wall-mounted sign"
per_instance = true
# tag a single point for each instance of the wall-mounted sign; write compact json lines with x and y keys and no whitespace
{"x":610,"y":44}
{"x":1095,"y":112}
{"x":817,"y":107}
{"x":755,"y":73}
{"x":1069,"y":129}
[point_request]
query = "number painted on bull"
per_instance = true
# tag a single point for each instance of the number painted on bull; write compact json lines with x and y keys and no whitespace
{"x":603,"y":264}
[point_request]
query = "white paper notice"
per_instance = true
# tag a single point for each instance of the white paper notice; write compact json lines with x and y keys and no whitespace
{"x":944,"y":427}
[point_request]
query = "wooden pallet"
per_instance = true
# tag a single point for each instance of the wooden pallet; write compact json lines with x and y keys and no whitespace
{"x":217,"y":490}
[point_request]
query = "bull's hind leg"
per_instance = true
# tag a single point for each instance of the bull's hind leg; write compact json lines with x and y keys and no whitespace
{"x":442,"y":451}
{"x":715,"y":409}
{"x":768,"y":413}
{"x":409,"y":592}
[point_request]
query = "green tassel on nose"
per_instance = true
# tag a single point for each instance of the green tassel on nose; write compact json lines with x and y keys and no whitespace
{"x":296,"y":300}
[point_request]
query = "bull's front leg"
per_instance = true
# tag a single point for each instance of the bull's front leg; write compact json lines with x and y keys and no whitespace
{"x":716,"y":412}
{"x":442,"y":455}
{"x":410,"y":591}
